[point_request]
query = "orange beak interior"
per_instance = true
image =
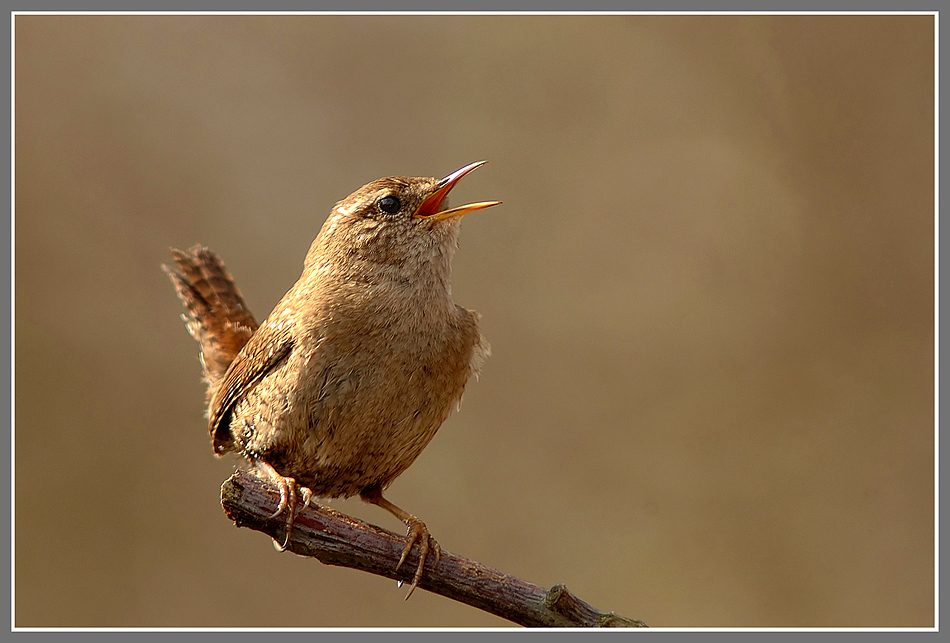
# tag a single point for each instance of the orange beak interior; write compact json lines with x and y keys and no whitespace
{"x":431,"y":207}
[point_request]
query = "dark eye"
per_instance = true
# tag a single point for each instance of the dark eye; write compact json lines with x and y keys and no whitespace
{"x":389,"y":204}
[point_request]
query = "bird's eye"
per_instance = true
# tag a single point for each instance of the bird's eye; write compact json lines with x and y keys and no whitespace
{"x":389,"y":204}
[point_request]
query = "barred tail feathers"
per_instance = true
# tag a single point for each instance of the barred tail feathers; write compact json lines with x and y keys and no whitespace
{"x":216,"y":314}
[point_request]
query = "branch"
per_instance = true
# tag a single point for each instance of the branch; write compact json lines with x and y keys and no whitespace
{"x":334,"y":538}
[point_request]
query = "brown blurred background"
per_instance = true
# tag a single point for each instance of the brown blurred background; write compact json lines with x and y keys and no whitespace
{"x":709,"y":293}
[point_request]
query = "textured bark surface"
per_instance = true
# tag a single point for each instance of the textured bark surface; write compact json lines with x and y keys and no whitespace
{"x":334,"y":538}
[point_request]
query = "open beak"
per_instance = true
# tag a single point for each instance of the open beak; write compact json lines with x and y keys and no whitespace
{"x":431,"y":207}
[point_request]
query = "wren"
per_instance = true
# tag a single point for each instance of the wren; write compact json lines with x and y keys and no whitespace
{"x":343,"y":385}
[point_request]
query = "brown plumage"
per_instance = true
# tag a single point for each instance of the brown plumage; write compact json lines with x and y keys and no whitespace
{"x":217,"y":316}
{"x":349,"y":378}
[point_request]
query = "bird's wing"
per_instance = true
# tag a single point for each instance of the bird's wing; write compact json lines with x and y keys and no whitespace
{"x":267,"y":348}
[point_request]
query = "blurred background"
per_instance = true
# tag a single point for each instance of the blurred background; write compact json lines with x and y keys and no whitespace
{"x":709,"y":294}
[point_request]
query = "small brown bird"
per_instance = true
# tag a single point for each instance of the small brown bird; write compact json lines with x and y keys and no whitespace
{"x":351,"y":375}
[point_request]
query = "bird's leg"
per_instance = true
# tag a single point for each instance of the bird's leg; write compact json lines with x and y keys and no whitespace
{"x":288,"y":497}
{"x":417,"y":532}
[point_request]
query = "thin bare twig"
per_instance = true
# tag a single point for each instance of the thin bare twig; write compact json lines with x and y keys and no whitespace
{"x":334,"y":538}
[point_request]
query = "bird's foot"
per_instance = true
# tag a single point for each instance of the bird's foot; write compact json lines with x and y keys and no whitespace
{"x":293,"y":499}
{"x":419,"y":532}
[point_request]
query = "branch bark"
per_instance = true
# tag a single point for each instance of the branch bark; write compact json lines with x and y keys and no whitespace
{"x":334,"y":538}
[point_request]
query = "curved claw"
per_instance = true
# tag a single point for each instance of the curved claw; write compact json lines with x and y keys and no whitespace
{"x":419,"y":532}
{"x":286,"y":491}
{"x":289,"y":489}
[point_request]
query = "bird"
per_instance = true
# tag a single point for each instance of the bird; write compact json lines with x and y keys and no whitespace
{"x":342,"y":386}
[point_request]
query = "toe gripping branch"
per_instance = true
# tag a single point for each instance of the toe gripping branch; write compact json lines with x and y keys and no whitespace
{"x":337,"y":539}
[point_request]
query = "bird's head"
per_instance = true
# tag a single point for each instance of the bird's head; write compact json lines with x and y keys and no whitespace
{"x":397,"y":222}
